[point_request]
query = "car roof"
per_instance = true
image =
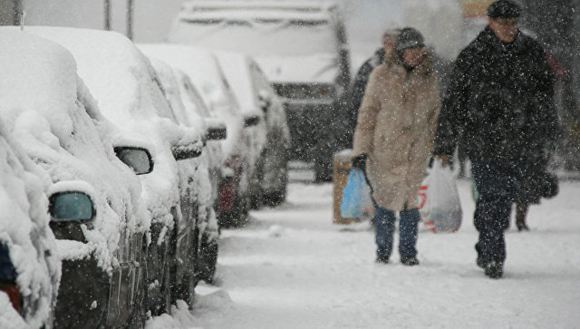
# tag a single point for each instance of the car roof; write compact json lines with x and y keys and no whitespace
{"x":122,"y":85}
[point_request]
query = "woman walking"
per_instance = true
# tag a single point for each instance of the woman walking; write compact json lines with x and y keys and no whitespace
{"x":393,"y":140}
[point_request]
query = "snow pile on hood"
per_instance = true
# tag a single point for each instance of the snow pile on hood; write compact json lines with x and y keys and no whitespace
{"x":205,"y":73}
{"x":241,"y":78}
{"x":237,"y":72}
{"x":128,"y":92}
{"x":168,"y":79}
{"x":24,"y":230}
{"x":52,"y":115}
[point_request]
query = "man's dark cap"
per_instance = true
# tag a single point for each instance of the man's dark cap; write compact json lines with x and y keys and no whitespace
{"x":504,"y":9}
{"x":409,"y":38}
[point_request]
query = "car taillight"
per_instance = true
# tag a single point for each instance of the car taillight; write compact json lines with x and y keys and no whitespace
{"x":14,"y":295}
{"x":8,"y":278}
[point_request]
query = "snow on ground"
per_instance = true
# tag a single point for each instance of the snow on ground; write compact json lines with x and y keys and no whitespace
{"x":292,"y":268}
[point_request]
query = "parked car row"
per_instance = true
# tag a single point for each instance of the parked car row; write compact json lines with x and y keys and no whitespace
{"x":302,"y":47}
{"x":138,"y":155}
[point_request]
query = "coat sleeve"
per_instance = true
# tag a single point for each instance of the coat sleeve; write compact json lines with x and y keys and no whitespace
{"x":367,"y":115}
{"x":453,"y":116}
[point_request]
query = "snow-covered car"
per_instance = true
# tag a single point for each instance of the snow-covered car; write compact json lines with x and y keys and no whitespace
{"x":130,"y":95}
{"x":197,"y":188}
{"x":302,"y":48}
{"x":239,"y":148}
{"x":95,"y":208}
{"x":255,"y":94}
{"x":29,"y":266}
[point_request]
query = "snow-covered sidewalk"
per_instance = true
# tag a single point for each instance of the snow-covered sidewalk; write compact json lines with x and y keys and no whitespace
{"x":292,"y":268}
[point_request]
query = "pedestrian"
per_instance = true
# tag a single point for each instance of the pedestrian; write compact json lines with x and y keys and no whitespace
{"x":499,"y":107}
{"x":357,"y":91}
{"x":393,"y":140}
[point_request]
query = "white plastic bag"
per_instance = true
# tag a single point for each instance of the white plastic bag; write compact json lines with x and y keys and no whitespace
{"x":441,"y":206}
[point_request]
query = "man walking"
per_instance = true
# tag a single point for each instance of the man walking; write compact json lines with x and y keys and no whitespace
{"x":394,"y":135}
{"x":499,"y":108}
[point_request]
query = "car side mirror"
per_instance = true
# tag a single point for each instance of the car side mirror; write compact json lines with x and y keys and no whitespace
{"x":71,"y":206}
{"x":217,"y":133}
{"x":184,"y":152}
{"x":137,"y":158}
{"x":251,"y":120}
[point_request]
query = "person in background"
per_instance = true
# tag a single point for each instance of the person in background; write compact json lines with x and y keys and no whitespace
{"x":393,"y":140}
{"x":499,"y":107}
{"x":357,"y":91}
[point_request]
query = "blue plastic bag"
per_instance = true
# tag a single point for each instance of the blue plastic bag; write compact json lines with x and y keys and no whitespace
{"x":355,"y":195}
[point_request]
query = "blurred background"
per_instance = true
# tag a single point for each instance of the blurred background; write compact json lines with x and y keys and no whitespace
{"x":448,"y":25}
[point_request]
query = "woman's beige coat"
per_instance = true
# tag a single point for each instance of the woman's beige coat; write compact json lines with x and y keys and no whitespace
{"x":395,"y":128}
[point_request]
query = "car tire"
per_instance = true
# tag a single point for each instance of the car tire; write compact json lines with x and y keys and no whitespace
{"x":208,"y":256}
{"x":239,"y":215}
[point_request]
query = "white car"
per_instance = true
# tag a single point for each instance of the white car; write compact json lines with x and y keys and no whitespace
{"x":29,"y":266}
{"x":95,"y":206}
{"x":130,"y":95}
{"x":255,"y":93}
{"x":241,"y":148}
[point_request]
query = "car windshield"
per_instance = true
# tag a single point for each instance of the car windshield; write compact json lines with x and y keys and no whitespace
{"x":261,"y":37}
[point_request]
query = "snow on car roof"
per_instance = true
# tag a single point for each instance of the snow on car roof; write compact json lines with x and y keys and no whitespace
{"x":236,"y":69}
{"x":53,"y":87}
{"x":202,"y":68}
{"x":114,"y":70}
{"x":168,"y":78}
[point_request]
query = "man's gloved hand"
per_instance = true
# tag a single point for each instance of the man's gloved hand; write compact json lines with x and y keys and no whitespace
{"x":360,"y":162}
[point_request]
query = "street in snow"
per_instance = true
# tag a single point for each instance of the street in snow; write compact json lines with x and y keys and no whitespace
{"x":292,"y":268}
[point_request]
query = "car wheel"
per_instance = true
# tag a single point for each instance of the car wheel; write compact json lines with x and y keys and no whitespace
{"x":276,"y":198}
{"x":239,"y":214}
{"x":185,"y":290}
{"x":207,"y":259}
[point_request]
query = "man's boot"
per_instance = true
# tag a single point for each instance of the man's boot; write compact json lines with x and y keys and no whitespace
{"x":494,"y":270}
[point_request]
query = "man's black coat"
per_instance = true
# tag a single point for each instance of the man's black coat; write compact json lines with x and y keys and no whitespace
{"x":499,"y":105}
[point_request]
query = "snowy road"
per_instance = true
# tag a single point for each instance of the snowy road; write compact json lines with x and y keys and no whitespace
{"x":292,"y":268}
